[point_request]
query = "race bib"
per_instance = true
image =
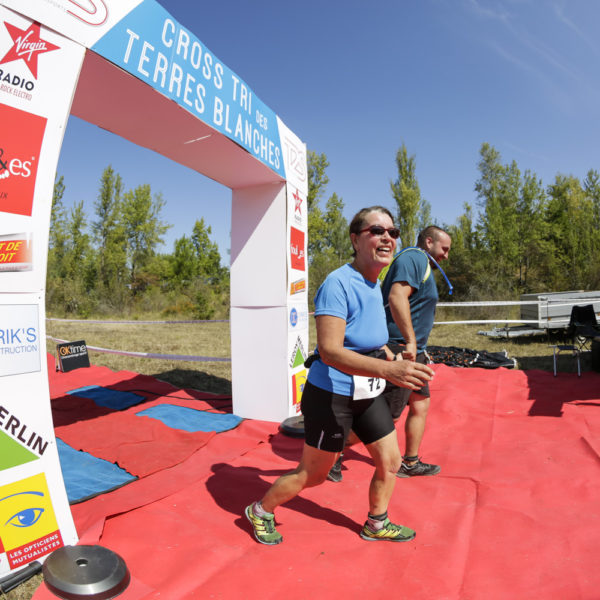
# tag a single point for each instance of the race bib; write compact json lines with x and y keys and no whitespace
{"x":367,"y":387}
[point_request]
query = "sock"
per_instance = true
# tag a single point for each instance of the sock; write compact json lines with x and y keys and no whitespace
{"x":375,"y":522}
{"x":259,"y":511}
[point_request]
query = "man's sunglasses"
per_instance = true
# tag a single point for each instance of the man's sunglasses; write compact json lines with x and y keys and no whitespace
{"x":394,"y":232}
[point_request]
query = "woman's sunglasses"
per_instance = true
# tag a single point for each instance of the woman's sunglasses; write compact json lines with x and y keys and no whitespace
{"x":393,"y":232}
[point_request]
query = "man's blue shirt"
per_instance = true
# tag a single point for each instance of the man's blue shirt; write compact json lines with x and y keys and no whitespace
{"x":411,"y":266}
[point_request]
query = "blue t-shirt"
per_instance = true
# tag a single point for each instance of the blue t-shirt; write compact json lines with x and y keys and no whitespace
{"x":346,"y":294}
{"x":411,"y":266}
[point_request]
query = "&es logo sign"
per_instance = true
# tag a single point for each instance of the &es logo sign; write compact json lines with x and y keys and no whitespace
{"x":20,"y":143}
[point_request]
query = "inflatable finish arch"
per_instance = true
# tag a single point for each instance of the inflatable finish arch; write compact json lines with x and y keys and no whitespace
{"x":129,"y":67}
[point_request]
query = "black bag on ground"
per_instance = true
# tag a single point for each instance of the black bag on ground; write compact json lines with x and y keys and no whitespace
{"x":464,"y":357}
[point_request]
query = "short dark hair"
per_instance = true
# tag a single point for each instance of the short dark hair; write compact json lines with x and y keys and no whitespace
{"x":358,"y":220}
{"x":431,"y":231}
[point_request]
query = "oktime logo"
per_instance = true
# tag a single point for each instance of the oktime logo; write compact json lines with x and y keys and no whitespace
{"x":20,"y":143}
{"x":19,"y":339}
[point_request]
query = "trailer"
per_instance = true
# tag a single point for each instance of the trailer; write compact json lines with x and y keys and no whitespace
{"x":546,"y":311}
{"x":553,"y":309}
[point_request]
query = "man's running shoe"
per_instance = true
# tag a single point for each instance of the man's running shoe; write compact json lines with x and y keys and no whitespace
{"x":264,"y":527}
{"x":389,"y":532}
{"x":335,"y":473}
{"x":418,"y":468}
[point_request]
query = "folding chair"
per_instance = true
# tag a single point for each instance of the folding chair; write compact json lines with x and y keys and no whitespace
{"x":567,"y":347}
{"x":583,"y":327}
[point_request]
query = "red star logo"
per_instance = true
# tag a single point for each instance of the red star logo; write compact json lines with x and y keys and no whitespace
{"x":298,"y":200}
{"x":27,"y":46}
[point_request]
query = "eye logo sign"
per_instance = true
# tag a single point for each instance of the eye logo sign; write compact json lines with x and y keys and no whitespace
{"x":28,"y":527}
{"x":20,"y":144}
{"x":27,"y":46}
{"x":297,"y":249}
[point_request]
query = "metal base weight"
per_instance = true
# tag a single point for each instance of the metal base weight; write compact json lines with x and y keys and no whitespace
{"x":293,"y":426}
{"x":85,"y":572}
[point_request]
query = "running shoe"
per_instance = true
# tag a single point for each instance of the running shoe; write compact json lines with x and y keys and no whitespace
{"x":389,"y":532}
{"x":335,"y":473}
{"x":264,"y":527}
{"x":419,"y":468}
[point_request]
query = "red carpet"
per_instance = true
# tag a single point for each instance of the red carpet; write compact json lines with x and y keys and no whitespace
{"x":513,"y":514}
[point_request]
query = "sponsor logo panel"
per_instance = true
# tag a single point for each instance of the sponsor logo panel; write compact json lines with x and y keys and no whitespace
{"x":28,"y":526}
{"x":27,"y":45}
{"x":297,"y":252}
{"x":16,"y":252}
{"x":298,"y":286}
{"x":20,"y":143}
{"x":19,"y":339}
{"x":298,"y":382}
{"x":298,"y":317}
{"x":298,"y":355}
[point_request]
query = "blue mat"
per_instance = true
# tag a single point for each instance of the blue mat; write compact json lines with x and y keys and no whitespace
{"x":108,"y":398}
{"x":189,"y":419}
{"x":86,"y":475}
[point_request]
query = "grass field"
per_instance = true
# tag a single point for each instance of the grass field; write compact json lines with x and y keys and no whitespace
{"x":212,"y":339}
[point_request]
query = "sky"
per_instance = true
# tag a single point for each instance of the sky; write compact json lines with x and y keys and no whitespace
{"x":355,"y":80}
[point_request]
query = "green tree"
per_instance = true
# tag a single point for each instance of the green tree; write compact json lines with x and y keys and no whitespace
{"x":58,"y":235}
{"x":571,"y":233}
{"x":411,"y":211}
{"x":143,"y":230}
{"x":109,"y":237}
{"x":207,"y":252}
{"x":317,"y":184}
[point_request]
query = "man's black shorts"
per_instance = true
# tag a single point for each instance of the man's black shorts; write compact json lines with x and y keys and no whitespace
{"x":397,"y":397}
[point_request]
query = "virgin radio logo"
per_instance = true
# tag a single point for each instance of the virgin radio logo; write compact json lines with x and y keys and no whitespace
{"x":27,"y":46}
{"x":20,"y":143}
{"x":297,"y":249}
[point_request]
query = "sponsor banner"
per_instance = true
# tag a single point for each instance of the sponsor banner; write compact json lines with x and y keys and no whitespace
{"x":16,"y":252}
{"x":299,"y":286}
{"x":297,"y":373}
{"x":84,"y":22}
{"x":297,"y":317}
{"x":294,"y":158}
{"x":35,"y":517}
{"x":298,"y":381}
{"x":20,"y":343}
{"x":37,"y":65}
{"x":20,"y":145}
{"x":297,"y":208}
{"x":151,"y":45}
{"x":28,"y":524}
{"x":297,"y":252}
{"x":72,"y":355}
{"x":38,"y":74}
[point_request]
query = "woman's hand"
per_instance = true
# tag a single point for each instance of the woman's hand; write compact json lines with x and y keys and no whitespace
{"x":408,"y":374}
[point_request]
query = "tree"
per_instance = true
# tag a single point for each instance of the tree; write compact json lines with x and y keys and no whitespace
{"x":405,"y":189}
{"x":317,"y":184}
{"x":498,"y":189}
{"x":142,"y":229}
{"x":109,"y":237}
{"x":207,"y":252}
{"x":571,"y":233}
{"x":58,"y":235}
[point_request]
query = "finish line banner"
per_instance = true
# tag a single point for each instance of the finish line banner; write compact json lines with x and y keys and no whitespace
{"x":142,"y":38}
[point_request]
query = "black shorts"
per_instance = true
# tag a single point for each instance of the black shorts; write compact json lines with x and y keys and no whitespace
{"x":398,"y":397}
{"x":329,"y":417}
